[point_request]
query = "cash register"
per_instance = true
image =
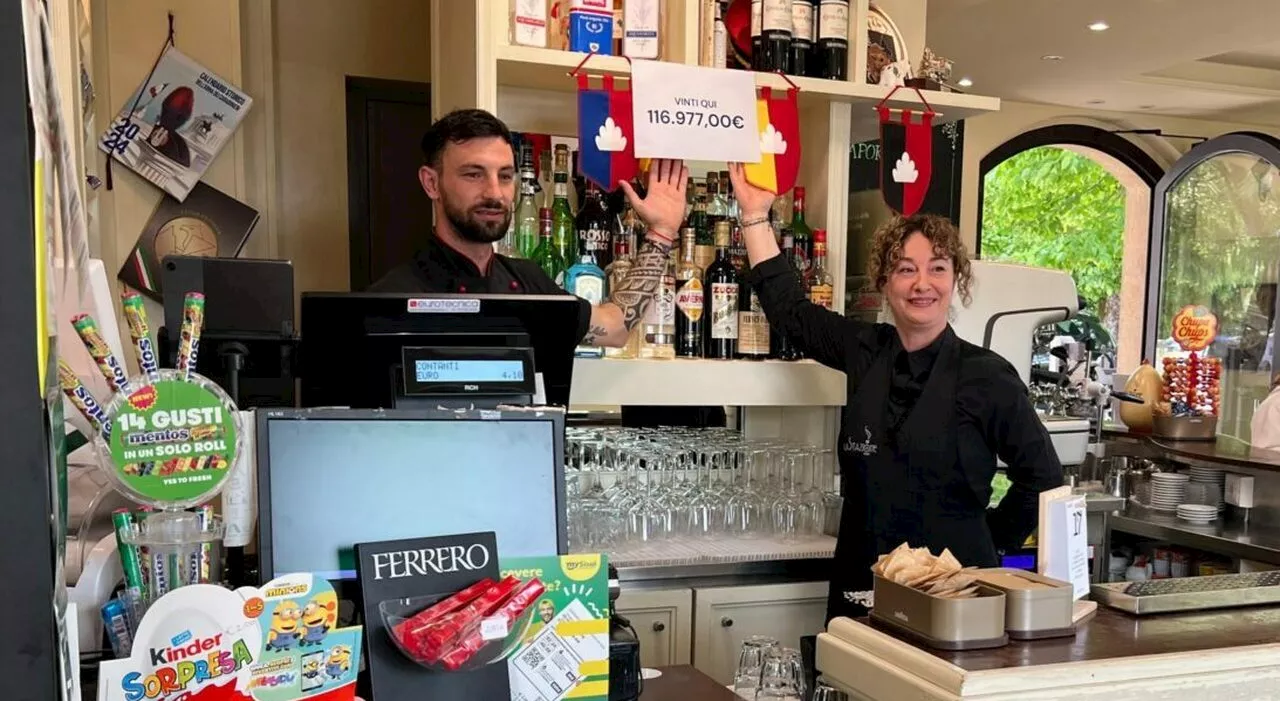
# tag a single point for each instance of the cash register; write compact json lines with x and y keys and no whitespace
{"x":385,"y":351}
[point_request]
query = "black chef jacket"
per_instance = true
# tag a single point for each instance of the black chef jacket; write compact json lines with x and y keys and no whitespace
{"x":919,"y":440}
{"x":440,"y":268}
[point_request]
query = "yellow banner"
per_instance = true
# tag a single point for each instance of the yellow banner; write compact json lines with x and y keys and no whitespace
{"x":569,"y":629}
{"x":598,"y":689}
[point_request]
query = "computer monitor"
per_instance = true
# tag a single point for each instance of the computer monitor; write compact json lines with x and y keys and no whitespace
{"x":353,"y":347}
{"x":331,"y":478}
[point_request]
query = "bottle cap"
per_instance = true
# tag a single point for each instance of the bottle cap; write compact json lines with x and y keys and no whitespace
{"x":819,"y":235}
{"x":799,"y":191}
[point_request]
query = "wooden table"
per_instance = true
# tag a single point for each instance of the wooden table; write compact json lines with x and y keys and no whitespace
{"x":1226,"y":654}
{"x":684,"y":684}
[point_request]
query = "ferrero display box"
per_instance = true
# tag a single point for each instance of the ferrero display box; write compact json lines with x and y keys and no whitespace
{"x":1231,"y":654}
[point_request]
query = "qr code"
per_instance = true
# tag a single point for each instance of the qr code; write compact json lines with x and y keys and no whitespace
{"x":532,"y":657}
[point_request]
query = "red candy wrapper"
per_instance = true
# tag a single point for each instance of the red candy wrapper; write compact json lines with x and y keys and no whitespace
{"x":408,"y":631}
{"x":438,"y":638}
{"x":472,"y":642}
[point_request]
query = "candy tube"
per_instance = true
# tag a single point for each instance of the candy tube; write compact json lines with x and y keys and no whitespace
{"x":101,"y":353}
{"x":474,"y":640}
{"x":204,"y":571}
{"x":82,"y":399}
{"x":135,"y":314}
{"x":115,"y":620}
{"x":192,"y":324}
{"x":440,"y":638}
{"x":145,"y":561}
{"x":420,"y":621}
{"x":123,"y":521}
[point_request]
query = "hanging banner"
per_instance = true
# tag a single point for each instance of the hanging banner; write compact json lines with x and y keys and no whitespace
{"x":694,"y":113}
{"x":906,"y":159}
{"x":606,"y":137}
{"x":779,"y":163}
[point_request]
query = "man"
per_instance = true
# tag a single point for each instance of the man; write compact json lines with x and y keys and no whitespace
{"x":470,"y":175}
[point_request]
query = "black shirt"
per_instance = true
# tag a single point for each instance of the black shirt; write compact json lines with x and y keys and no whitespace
{"x":440,"y":268}
{"x":994,"y":415}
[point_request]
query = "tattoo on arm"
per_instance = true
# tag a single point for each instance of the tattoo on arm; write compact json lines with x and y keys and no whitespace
{"x":595,"y":333}
{"x":636,"y":292}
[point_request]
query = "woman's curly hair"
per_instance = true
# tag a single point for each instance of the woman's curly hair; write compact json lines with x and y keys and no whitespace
{"x":887,"y":242}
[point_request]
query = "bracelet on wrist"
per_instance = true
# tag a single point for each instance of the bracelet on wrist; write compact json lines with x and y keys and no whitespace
{"x":660,"y":238}
{"x":754,"y":222}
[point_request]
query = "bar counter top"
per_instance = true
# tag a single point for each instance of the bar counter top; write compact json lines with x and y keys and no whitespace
{"x":1225,"y":451}
{"x":684,"y":684}
{"x":1225,"y":654}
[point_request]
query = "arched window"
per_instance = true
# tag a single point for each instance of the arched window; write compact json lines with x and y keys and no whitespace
{"x":1076,"y":198}
{"x":1216,"y":242}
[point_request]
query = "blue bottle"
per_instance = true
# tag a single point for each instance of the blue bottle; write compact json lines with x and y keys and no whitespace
{"x":586,"y":280}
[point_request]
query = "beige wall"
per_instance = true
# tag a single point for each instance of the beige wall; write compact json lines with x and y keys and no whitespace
{"x":982,"y":134}
{"x":317,"y":44}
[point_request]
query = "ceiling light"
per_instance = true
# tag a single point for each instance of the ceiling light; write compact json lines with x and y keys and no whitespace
{"x":1099,"y":26}
{"x":1051,"y":57}
{"x":965,"y":83}
{"x":1096,"y":102}
{"x":1146,"y":107}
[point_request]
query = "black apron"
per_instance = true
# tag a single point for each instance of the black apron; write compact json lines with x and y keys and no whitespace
{"x":905,"y":488}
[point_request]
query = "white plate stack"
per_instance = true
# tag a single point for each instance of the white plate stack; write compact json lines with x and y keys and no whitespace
{"x":1168,"y":489}
{"x":1215,"y":478}
{"x":1198,"y":514}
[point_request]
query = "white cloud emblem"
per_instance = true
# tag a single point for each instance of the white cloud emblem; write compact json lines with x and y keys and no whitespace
{"x":771,"y":141}
{"x":904,"y":171}
{"x":610,"y":137}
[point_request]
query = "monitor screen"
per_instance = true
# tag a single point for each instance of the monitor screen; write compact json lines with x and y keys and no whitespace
{"x":469,"y":370}
{"x":334,"y":482}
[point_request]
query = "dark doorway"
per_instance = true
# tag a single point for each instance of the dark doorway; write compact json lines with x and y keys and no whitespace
{"x":388,"y":211}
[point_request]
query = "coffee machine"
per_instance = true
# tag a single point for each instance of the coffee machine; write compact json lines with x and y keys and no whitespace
{"x":1009,"y":302}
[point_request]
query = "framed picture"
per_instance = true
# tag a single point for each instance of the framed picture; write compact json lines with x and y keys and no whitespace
{"x":885,"y":44}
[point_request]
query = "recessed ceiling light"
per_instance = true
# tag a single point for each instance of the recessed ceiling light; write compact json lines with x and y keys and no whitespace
{"x":1096,"y":102}
{"x":965,"y":83}
{"x":1099,"y":26}
{"x":1051,"y":57}
{"x":1146,"y":107}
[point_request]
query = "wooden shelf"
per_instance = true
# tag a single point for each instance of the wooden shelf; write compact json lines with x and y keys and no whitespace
{"x":610,"y":382}
{"x":548,"y":69}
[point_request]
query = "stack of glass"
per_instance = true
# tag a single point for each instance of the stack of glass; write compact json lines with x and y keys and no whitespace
{"x":642,"y":485}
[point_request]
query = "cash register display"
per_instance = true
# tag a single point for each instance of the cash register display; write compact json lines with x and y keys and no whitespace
{"x":469,"y":370}
{"x":337,"y":482}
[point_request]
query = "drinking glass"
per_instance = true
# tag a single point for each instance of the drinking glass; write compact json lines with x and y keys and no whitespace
{"x":782,"y":678}
{"x":751,"y":661}
{"x":824,"y":692}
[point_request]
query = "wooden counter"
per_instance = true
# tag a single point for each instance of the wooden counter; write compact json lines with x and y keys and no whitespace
{"x":1231,"y":654}
{"x":684,"y":684}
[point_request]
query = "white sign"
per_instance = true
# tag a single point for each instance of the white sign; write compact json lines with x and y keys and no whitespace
{"x":1064,"y":541}
{"x":698,"y":114}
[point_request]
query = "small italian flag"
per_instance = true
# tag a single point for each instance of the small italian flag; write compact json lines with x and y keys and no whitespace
{"x":779,"y":123}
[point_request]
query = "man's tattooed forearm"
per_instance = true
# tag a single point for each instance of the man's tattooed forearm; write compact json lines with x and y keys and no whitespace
{"x":637,"y":290}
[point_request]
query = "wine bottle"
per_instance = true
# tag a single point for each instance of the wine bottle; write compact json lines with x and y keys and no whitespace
{"x":757,"y":53}
{"x":722,"y":302}
{"x":802,"y":35}
{"x":821,"y":287}
{"x":563,"y":230}
{"x":780,"y":345}
{"x":547,"y":254}
{"x":594,"y":228}
{"x":526,"y":219}
{"x":719,"y":39}
{"x":833,"y":39}
{"x":753,"y":327}
{"x":801,"y":234}
{"x":689,"y":300}
{"x":775,"y":35}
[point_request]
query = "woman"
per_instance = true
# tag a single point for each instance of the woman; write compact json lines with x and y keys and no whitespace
{"x":1266,"y":419}
{"x":927,"y":414}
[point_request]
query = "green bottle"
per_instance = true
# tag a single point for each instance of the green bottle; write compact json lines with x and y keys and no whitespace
{"x":526,"y":220}
{"x":547,"y":255}
{"x":564,"y":231}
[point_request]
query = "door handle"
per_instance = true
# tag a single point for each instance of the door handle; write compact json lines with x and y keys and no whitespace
{"x":726,"y":622}
{"x":659,"y":626}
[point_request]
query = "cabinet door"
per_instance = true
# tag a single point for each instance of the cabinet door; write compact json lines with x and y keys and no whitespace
{"x":663,"y":620}
{"x":725,"y":616}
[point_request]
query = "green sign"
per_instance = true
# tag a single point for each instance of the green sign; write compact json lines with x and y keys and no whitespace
{"x":173,"y":442}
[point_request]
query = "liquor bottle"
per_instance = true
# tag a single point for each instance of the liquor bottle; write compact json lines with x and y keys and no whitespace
{"x":563,"y":230}
{"x":821,"y":287}
{"x":595,"y":228}
{"x":719,"y":38}
{"x":832,"y":55}
{"x":640,"y":26}
{"x":526,"y":218}
{"x":614,"y":274}
{"x":802,"y":36}
{"x":658,"y":339}
{"x":731,"y":202}
{"x":802,"y":234}
{"x":577,"y":184}
{"x":547,"y":254}
{"x":775,"y":35}
{"x":529,"y":23}
{"x":545,"y":181}
{"x":753,"y":327}
{"x":689,"y":300}
{"x":722,"y":300}
{"x":705,"y":248}
{"x":586,"y":280}
{"x":780,"y":345}
{"x":757,"y":53}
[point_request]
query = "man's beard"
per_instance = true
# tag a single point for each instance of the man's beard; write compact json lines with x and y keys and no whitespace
{"x":473,"y":229}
